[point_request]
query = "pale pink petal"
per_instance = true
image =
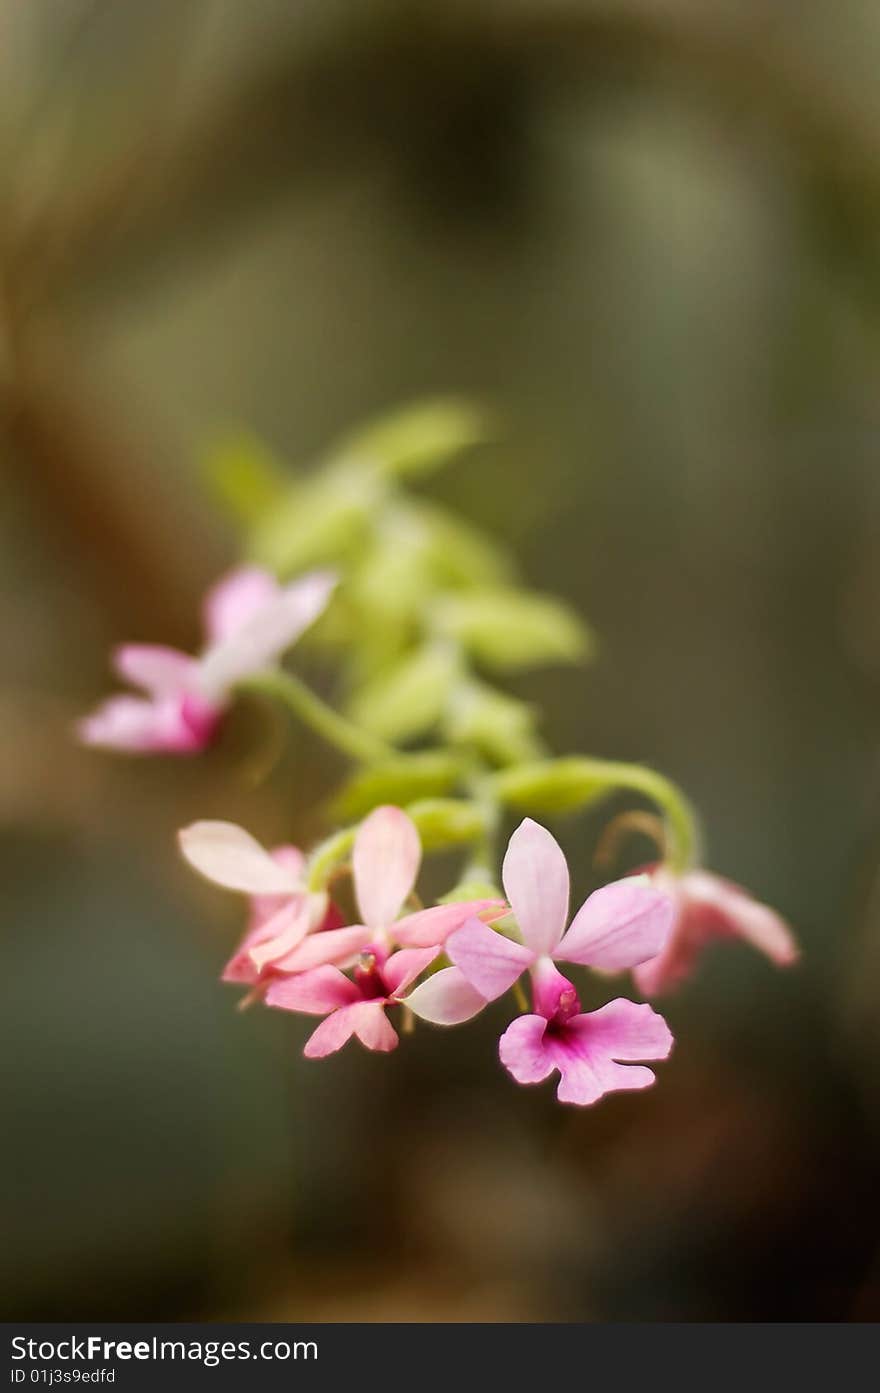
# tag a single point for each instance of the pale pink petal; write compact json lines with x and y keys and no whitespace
{"x":535,"y":878}
{"x":619,"y":926}
{"x":282,"y":933}
{"x":741,"y":916}
{"x":489,"y":961}
{"x":314,"y":993}
{"x":155,"y":669}
{"x":402,"y":969}
{"x":235,"y":599}
{"x":266,"y":635}
{"x":365,"y":1019}
{"x":434,"y":925}
{"x":386,"y":857}
{"x":262,"y":907}
{"x":446,"y":998}
{"x":229,"y":856}
{"x":330,"y":946}
{"x":582,"y":1082}
{"x":137,"y":725}
{"x":523,"y":1052}
{"x":668,"y":970}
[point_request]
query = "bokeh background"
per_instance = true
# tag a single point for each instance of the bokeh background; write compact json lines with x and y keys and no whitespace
{"x":646,"y":231}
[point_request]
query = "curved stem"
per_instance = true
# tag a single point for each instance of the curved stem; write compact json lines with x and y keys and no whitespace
{"x":679,"y":814}
{"x":342,"y":734}
{"x":326,"y":857}
{"x":576,"y":781}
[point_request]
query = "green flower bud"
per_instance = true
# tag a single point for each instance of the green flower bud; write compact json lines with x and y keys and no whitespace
{"x":444,"y":822}
{"x":419,"y":438}
{"x":410,"y":698}
{"x":508,"y":629}
{"x":413,"y":776}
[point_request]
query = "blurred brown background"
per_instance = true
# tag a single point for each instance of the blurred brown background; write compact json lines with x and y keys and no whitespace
{"x":650,"y":234}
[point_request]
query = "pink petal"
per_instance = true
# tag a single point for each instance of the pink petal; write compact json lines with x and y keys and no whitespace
{"x":330,"y":946}
{"x":741,"y":916}
{"x":240,"y":967}
{"x":262,"y":907}
{"x":434,"y":925}
{"x":155,"y":669}
{"x":365,"y":1019}
{"x":235,"y":599}
{"x":282,"y":933}
{"x":589,"y":1047}
{"x":535,"y":877}
{"x":266,"y":635}
{"x":586,"y":1049}
{"x":619,"y":926}
{"x":314,"y":993}
{"x":626,"y":1030}
{"x":489,"y":961}
{"x":230,"y":856}
{"x":140,"y":726}
{"x":523,"y":1052}
{"x":446,"y":998}
{"x":402,"y":969}
{"x":386,"y":857}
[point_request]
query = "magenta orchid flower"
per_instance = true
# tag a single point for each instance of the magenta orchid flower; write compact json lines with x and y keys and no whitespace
{"x":250,"y":621}
{"x":619,"y":926}
{"x":291,"y":928}
{"x":353,"y":1006}
{"x":589,"y":1049}
{"x":708,"y":908}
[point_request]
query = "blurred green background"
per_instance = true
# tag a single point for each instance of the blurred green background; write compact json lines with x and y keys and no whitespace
{"x":648,"y":233}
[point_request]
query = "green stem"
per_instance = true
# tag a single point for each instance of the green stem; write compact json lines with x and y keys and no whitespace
{"x":481,"y":789}
{"x":318,"y":716}
{"x":679,"y":814}
{"x":576,"y":781}
{"x":326,"y":857}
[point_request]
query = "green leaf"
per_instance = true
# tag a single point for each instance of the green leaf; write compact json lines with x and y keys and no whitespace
{"x":500,"y":726}
{"x":506,"y":629}
{"x":413,"y":776}
{"x":409,"y":699}
{"x":553,"y":785}
{"x":418,"y":438}
{"x":244,"y":476}
{"x":444,"y":822}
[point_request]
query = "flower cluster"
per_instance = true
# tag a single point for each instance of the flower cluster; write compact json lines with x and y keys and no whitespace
{"x":428,"y":617}
{"x":446,"y":963}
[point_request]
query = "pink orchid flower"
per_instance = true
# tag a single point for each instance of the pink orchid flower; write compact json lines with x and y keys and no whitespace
{"x":588,"y":1049}
{"x":352,"y":1006}
{"x":291,"y":927}
{"x":708,"y":908}
{"x":618,"y":927}
{"x":250,"y":620}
